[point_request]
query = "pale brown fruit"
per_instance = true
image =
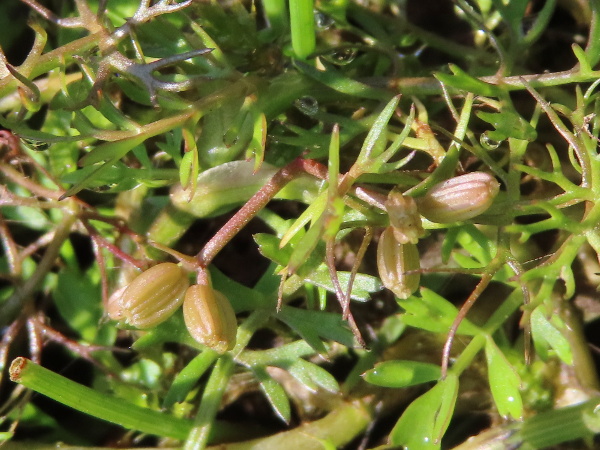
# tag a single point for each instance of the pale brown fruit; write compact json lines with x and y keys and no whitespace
{"x":151,"y":298}
{"x":209,"y":318}
{"x":398,"y":264}
{"x":459,"y":198}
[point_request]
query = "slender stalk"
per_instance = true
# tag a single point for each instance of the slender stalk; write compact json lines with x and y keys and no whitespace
{"x":468,"y":355}
{"x":248,"y":211}
{"x":209,"y":406}
{"x":582,"y":155}
{"x":340,"y":294}
{"x":462,"y":313}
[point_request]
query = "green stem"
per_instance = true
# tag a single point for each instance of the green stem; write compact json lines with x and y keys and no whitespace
{"x":501,"y":314}
{"x":276,"y":15}
{"x":430,"y":86}
{"x":95,"y":403}
{"x":302,"y":23}
{"x":209,"y":406}
{"x":468,"y":355}
{"x":335,"y":430}
{"x":188,"y":377}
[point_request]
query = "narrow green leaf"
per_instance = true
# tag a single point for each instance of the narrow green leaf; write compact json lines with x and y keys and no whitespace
{"x":504,"y":382}
{"x":367,"y":155}
{"x":338,"y":82}
{"x":540,"y":24}
{"x":111,"y":150}
{"x":242,"y":297}
{"x":312,"y":325}
{"x":567,"y":275}
{"x":307,"y":245}
{"x":333,"y":163}
{"x":582,"y":57}
{"x":210,"y":403}
{"x":476,"y":243}
{"x":186,"y":169}
{"x":275,"y":393}
{"x":400,"y":374}
{"x":221,"y":188}
{"x":312,"y":213}
{"x":548,"y":429}
{"x":363,"y":285}
{"x":268,"y":246}
{"x":92,"y":176}
{"x":256,"y":147}
{"x":446,"y":409}
{"x":96,"y":403}
{"x":434,"y":313}
{"x":312,"y":376}
{"x":188,"y":377}
{"x":466,"y":262}
{"x":547,"y":332}
{"x":448,"y":243}
{"x":508,"y":123}
{"x":426,"y":419}
{"x":463,"y":81}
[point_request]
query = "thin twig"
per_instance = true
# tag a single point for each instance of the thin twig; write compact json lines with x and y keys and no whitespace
{"x":462,"y":313}
{"x":329,"y":255}
{"x":23,"y":294}
{"x":241,"y":218}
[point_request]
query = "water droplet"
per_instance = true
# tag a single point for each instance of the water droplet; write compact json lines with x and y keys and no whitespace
{"x":510,"y":399}
{"x":307,"y":105}
{"x":323,"y":21}
{"x":488,"y":143}
{"x":341,"y":57}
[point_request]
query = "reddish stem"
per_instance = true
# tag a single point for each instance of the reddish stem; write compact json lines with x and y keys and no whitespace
{"x":103,"y":243}
{"x":257,"y":202}
{"x":344,"y":302}
{"x":462,"y":313}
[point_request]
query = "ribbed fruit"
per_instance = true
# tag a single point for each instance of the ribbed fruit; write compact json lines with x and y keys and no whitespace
{"x":209,"y":318}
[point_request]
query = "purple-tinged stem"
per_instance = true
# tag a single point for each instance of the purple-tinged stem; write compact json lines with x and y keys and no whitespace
{"x":462,"y":313}
{"x":257,"y":202}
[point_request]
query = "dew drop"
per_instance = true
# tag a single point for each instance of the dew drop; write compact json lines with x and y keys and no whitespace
{"x":307,"y":105}
{"x":488,"y":143}
{"x":323,"y":21}
{"x":341,"y":57}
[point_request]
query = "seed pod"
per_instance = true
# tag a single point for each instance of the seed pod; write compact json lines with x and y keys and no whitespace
{"x":459,"y":198}
{"x":113,"y":305}
{"x":398,"y":264}
{"x":151,"y":297}
{"x":404,"y":217}
{"x":209,"y":317}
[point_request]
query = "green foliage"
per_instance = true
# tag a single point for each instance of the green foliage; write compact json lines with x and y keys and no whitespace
{"x":434,"y":313}
{"x":426,"y":419}
{"x":139,"y":132}
{"x":504,"y":382}
{"x":399,"y":374}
